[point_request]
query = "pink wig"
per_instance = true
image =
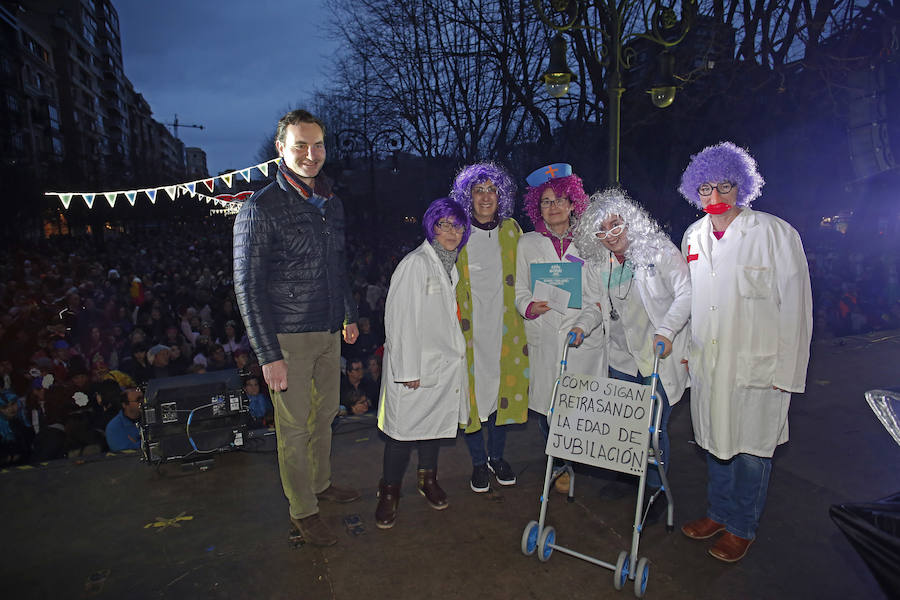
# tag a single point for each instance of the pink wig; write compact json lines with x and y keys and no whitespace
{"x":570,"y":186}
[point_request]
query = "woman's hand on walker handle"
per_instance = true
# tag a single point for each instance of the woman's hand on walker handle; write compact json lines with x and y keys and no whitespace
{"x":666,"y":342}
{"x":578,"y":334}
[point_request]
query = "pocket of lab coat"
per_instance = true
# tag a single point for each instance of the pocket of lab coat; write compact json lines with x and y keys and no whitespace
{"x":431,"y":366}
{"x":755,"y":370}
{"x":656,"y":286}
{"x":754,"y":282}
{"x":433,"y":286}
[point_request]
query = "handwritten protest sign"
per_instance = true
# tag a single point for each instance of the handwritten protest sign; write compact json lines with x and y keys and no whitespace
{"x":601,"y":422}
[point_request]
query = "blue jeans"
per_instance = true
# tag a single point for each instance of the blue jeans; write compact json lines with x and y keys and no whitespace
{"x":496,"y":441}
{"x":736,"y":492}
{"x":653,"y":479}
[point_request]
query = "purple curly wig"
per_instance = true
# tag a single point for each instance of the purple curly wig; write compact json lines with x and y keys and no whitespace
{"x":471,"y":175}
{"x":723,"y":162}
{"x":445,"y":208}
{"x":571,"y":187}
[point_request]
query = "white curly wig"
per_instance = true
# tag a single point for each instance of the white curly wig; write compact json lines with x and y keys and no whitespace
{"x":646,"y":240}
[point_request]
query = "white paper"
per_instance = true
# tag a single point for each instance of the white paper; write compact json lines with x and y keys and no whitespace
{"x":557,"y":298}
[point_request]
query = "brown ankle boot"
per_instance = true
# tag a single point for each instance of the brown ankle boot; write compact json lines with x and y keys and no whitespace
{"x":388,"y":499}
{"x":428,"y":487}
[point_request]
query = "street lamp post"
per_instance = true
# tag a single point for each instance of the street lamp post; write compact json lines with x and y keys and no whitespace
{"x":662,"y":27}
{"x":351,"y":140}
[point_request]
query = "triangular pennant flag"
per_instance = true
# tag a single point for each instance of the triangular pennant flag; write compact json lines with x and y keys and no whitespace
{"x":171,"y":191}
{"x":278,"y":160}
{"x":152,"y":195}
{"x":227,"y":178}
{"x":246,"y":174}
{"x":210,"y":184}
{"x":88,"y":199}
{"x":130,"y":196}
{"x":191,"y":187}
{"x":111,"y":198}
{"x":66,"y":200}
{"x":264,"y":169}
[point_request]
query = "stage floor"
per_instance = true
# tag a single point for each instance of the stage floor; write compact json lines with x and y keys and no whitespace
{"x":114,"y":527}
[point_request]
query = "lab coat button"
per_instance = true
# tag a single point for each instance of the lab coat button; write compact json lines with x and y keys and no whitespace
{"x":715,"y":342}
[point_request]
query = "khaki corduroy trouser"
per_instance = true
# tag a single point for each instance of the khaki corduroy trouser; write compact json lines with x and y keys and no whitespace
{"x":303,"y":416}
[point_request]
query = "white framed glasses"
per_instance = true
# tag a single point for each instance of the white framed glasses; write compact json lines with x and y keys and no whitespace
{"x":447,"y":227}
{"x":614,"y":232}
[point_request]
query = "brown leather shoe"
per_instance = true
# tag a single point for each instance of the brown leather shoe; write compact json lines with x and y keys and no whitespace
{"x":428,"y":487}
{"x":701,"y":529}
{"x":388,"y":500}
{"x":337,"y":494}
{"x":314,"y":531}
{"x":730,"y":548}
{"x":561,"y":484}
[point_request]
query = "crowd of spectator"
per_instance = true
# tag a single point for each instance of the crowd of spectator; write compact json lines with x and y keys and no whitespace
{"x":85,"y":322}
{"x":855,"y":291}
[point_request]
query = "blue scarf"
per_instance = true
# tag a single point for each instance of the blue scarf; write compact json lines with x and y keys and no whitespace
{"x":293,"y":179}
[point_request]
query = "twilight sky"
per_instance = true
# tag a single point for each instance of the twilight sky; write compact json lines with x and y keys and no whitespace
{"x":233,"y":66}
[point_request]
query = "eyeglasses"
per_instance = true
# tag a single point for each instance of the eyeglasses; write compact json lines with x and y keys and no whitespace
{"x":447,"y":227}
{"x":557,"y":202}
{"x":484,"y":190}
{"x":356,"y":368}
{"x":614,"y":232}
{"x":723,"y":187}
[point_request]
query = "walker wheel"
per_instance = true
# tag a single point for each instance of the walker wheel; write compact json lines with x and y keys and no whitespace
{"x":621,"y":572}
{"x":529,"y":538}
{"x":641,"y":576}
{"x":548,"y":536}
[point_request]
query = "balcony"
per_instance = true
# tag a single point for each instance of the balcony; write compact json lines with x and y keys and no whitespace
{"x":114,"y":126}
{"x":113,"y":105}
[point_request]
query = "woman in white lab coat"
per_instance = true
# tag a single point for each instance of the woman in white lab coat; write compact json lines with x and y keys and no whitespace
{"x":554,"y":201}
{"x":642,"y":285}
{"x":424,"y":389}
{"x":493,"y":328}
{"x":751,"y":325}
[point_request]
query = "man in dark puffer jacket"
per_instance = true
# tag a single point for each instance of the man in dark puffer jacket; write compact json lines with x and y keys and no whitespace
{"x":290,"y":277}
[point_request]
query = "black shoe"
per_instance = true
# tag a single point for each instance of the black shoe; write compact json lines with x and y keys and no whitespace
{"x":314,"y":531}
{"x":481,"y":479}
{"x":502,"y":471}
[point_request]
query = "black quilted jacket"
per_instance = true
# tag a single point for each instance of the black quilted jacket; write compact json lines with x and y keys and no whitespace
{"x":290,"y":268}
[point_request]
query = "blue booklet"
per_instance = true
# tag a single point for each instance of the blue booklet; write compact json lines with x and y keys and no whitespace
{"x":564,"y":275}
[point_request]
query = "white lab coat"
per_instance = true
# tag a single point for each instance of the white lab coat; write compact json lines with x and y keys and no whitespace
{"x":751,"y":325}
{"x":664,"y":289}
{"x":546,"y":335}
{"x":423,"y":341}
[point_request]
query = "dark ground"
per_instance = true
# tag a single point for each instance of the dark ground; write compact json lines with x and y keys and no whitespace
{"x":114,"y":527}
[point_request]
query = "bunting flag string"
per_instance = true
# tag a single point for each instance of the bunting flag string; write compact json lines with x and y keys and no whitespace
{"x":188,"y":187}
